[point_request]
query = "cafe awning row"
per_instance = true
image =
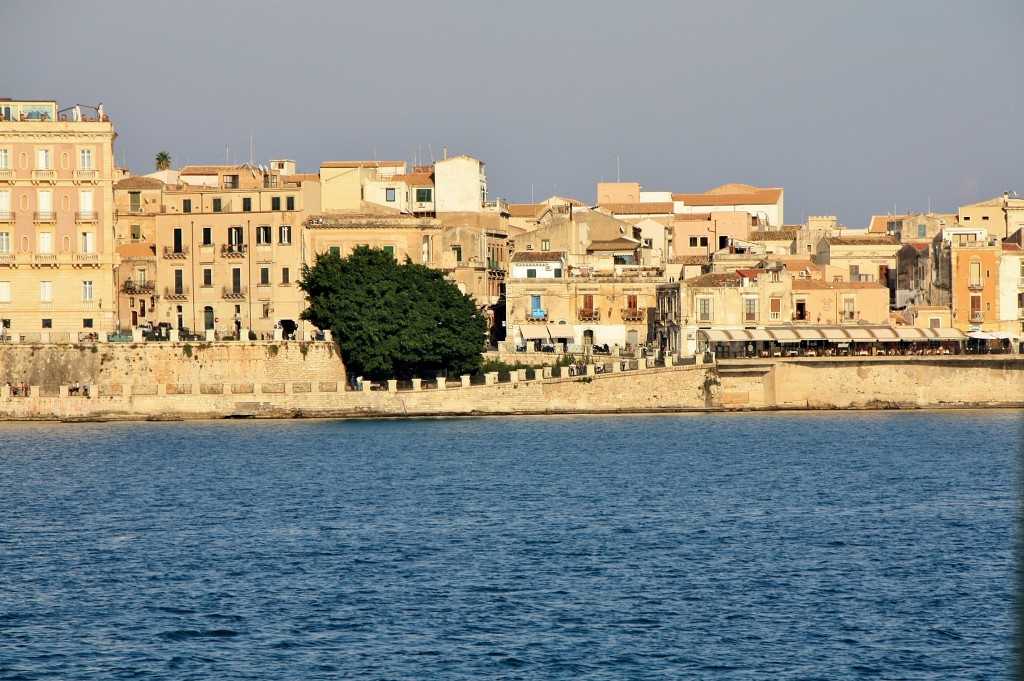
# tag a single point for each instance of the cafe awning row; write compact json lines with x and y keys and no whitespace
{"x":545,"y":331}
{"x":832,"y":334}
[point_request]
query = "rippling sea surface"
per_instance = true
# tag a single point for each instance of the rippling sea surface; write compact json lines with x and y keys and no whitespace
{"x":875,"y":545}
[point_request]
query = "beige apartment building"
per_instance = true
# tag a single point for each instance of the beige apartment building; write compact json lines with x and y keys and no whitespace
{"x":229,"y":253}
{"x":1001,"y":217}
{"x":56,"y":221}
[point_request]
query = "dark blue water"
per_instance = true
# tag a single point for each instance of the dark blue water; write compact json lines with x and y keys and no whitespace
{"x":754,"y":546}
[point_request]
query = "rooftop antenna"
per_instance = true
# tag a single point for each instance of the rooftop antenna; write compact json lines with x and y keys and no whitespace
{"x":430,"y":151}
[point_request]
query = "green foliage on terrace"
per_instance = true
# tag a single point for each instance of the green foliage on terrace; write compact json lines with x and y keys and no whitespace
{"x":393,"y":320}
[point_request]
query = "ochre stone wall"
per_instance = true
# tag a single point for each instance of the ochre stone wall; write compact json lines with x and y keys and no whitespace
{"x":289,"y":379}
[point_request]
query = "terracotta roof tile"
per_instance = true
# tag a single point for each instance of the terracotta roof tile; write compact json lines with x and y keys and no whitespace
{"x":1010,"y":246}
{"x":638,"y":208}
{"x":415,"y":179}
{"x":614,"y":245}
{"x":139,"y":182}
{"x":861,"y":241}
{"x":691,"y":217}
{"x":772,"y":235}
{"x":362,"y":164}
{"x":731,"y":194}
{"x":526,"y":210}
{"x":538,"y":256}
{"x":809,"y":284}
{"x":690,"y":260}
{"x":714,"y":279}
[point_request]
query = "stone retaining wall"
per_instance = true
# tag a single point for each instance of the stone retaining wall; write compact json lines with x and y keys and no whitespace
{"x":237,"y":379}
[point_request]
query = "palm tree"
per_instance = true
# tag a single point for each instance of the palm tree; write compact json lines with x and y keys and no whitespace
{"x":163,"y":161}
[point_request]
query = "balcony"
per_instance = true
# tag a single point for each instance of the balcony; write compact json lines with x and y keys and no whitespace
{"x":537,"y":315}
{"x":91,"y":176}
{"x":176,"y":293}
{"x":138,"y":288}
{"x":86,"y":216}
{"x":44,"y":216}
{"x":234,"y":292}
{"x":849,"y":316}
{"x":977,"y":316}
{"x":1020,"y":313}
{"x":86,"y":258}
{"x":975,"y":284}
{"x":585,"y":315}
{"x":44,"y":177}
{"x":172,"y":253}
{"x":232,"y":251}
{"x":632,"y":314}
{"x":7,"y":217}
{"x":7,"y":175}
{"x":44,"y":258}
{"x":8,"y":258}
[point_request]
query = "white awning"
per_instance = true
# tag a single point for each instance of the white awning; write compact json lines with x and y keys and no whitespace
{"x":544,"y":331}
{"x":981,"y":335}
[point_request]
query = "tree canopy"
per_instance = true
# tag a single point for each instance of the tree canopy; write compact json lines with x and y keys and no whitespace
{"x":163,"y":160}
{"x":393,"y":320}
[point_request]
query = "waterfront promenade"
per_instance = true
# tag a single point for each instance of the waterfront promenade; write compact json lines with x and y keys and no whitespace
{"x":307,"y":379}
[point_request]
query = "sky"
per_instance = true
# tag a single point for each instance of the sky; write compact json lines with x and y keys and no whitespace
{"x":854,"y":108}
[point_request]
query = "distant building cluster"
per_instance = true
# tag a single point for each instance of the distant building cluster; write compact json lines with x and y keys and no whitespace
{"x":89,"y":250}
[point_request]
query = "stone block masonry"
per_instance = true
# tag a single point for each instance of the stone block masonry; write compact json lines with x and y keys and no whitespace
{"x":307,"y":379}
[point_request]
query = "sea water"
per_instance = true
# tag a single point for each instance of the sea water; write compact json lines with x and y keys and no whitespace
{"x":823,"y":545}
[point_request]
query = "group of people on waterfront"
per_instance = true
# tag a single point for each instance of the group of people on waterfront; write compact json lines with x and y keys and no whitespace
{"x":79,"y":389}
{"x":20,"y":389}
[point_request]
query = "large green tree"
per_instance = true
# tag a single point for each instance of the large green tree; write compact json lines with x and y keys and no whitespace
{"x":393,"y":320}
{"x":163,"y":160}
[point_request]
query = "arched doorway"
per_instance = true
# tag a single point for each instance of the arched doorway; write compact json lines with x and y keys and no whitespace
{"x":588,"y":337}
{"x":208,"y":318}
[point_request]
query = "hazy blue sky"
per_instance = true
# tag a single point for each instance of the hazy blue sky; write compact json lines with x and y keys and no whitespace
{"x":853,"y":107}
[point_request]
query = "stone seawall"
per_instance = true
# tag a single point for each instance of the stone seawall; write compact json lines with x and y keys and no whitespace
{"x":294,"y":379}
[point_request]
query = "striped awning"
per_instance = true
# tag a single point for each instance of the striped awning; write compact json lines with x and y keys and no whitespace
{"x":832,"y":334}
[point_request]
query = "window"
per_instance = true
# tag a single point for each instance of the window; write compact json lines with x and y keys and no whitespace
{"x":531,"y":273}
{"x":46,"y":291}
{"x":934,"y":323}
{"x":136,"y":232}
{"x":693,"y":242}
{"x":975,"y":275}
{"x":286,"y":275}
{"x":5,"y":242}
{"x":266,"y":310}
{"x":216,"y":206}
{"x":705,"y":311}
{"x":289,"y":203}
{"x":275,"y":203}
{"x":588,"y":304}
{"x":86,"y":291}
{"x":235,"y":238}
{"x":264,"y":276}
{"x":457,"y":250}
{"x":85,"y":159}
{"x":423,"y":195}
{"x":135,"y":202}
{"x":87,"y":323}
{"x":984,"y":217}
{"x":207,"y":276}
{"x":231,"y":182}
{"x":922,"y":231}
{"x":750,"y":309}
{"x":46,"y":242}
{"x":43,"y":159}
{"x":5,"y":292}
{"x":390,"y":250}
{"x":246,"y":204}
{"x":5,"y":205}
{"x":335,"y":250}
{"x":631,"y":302}
{"x":5,"y":160}
{"x":140,"y":275}
{"x":389,"y":194}
{"x":285,"y":234}
{"x":535,"y":305}
{"x":47,"y":323}
{"x":45,"y":200}
{"x":976,"y":314}
{"x":186,"y":206}
{"x":207,"y":236}
{"x":85,"y":210}
{"x":545,"y":245}
{"x":776,"y":308}
{"x":179,"y":282}
{"x":88,"y":242}
{"x":558,"y":273}
{"x":263,"y":234}
{"x":849,"y":314}
{"x":178,"y":245}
